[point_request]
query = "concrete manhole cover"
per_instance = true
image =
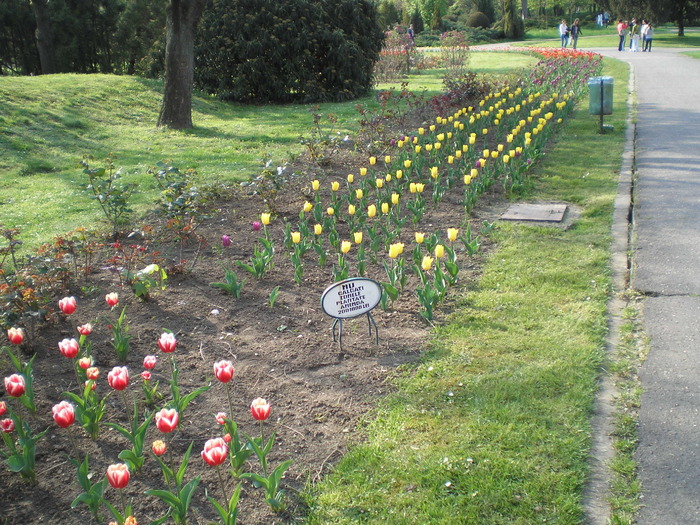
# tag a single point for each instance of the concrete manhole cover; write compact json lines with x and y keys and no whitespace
{"x":535,"y":212}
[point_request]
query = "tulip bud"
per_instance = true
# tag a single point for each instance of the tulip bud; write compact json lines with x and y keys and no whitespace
{"x":167,"y":342}
{"x":357,"y":237}
{"x":158,"y":447}
{"x":318,"y":229}
{"x":67,"y":305}
{"x":256,"y":226}
{"x":260,"y":409}
{"x":112,"y":299}
{"x":85,"y":329}
{"x":15,"y":335}
{"x":118,"y":475}
{"x":345,"y":246}
{"x":351,"y":209}
{"x":14,"y":385}
{"x":315,"y":185}
{"x":296,"y":237}
{"x":7,"y":425}
{"x":149,"y":362}
{"x":225,"y":241}
{"x":439,"y":251}
{"x":371,"y":210}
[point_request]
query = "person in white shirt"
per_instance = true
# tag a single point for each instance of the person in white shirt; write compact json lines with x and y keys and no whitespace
{"x":649,"y":38}
{"x":564,"y":33}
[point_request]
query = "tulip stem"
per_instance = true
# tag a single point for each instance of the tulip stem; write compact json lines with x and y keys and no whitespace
{"x":81,"y":384}
{"x":230,"y":402}
{"x":121,"y":495}
{"x":223,"y":483}
{"x":75,"y":445}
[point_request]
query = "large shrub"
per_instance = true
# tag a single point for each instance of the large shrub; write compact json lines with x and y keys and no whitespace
{"x":478,"y":19}
{"x":294,"y":51}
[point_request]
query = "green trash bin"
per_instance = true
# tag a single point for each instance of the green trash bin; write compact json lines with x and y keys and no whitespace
{"x":601,"y":95}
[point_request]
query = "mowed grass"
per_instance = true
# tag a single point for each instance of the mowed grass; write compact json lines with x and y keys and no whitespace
{"x":493,"y":426}
{"x":48,"y":123}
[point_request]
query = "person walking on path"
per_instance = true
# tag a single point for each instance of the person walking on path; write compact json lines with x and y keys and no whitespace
{"x":631,"y":29}
{"x":575,"y":33}
{"x":643,"y":33}
{"x":649,"y":38}
{"x":622,"y":32}
{"x":564,"y":33}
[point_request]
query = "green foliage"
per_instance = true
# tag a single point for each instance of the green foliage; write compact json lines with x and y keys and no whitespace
{"x":109,"y":191}
{"x":89,"y":408}
{"x":180,"y":498}
{"x":478,"y":19}
{"x":146,"y":280}
{"x":231,"y":284}
{"x":513,"y":27}
{"x":302,"y":50}
{"x":93,"y":493}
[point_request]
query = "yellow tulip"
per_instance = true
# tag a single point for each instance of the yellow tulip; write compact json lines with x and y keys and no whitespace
{"x":458,"y":153}
{"x":494,"y":154}
{"x":452,"y":234}
{"x":432,"y":127}
{"x":395,"y":250}
{"x":330,"y":210}
{"x":467,"y":180}
{"x":308,"y":206}
{"x":351,"y":178}
{"x":420,"y":237}
{"x":420,"y":187}
{"x":426,"y":263}
{"x":359,"y":193}
{"x":417,"y":149}
{"x":474,"y":172}
{"x":428,"y":147}
{"x":394,"y":198}
{"x":472,"y":139}
{"x":485,"y":131}
{"x":363,"y":172}
{"x":412,"y":187}
{"x":372,"y":161}
{"x":385,"y":207}
{"x":388,"y":177}
{"x":387,"y":159}
{"x":465,"y":148}
{"x":437,"y":145}
{"x":407,"y":163}
{"x":500,"y":147}
{"x":421,"y":131}
{"x":450,"y":159}
{"x":399,"y":144}
{"x":345,"y":246}
{"x":485,"y":153}
{"x":449,"y":134}
{"x":351,"y":209}
{"x":506,"y":158}
{"x":380,"y":183}
{"x":399,"y":174}
{"x":296,"y":237}
{"x":439,"y":251}
{"x":357,"y":237}
{"x":315,"y":185}
{"x":441,"y":137}
{"x":265,"y":218}
{"x":434,"y":172}
{"x":371,"y":210}
{"x":318,"y":229}
{"x":335,"y":185}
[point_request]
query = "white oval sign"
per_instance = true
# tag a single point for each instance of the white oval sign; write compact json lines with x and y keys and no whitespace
{"x":351,"y":297}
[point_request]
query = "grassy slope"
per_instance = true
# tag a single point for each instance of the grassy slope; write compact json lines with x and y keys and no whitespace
{"x":493,"y":426}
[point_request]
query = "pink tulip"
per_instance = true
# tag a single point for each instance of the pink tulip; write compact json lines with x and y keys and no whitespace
{"x":112,"y":299}
{"x":167,"y":342}
{"x":85,"y":329}
{"x":64,"y":414}
{"x":221,"y":418}
{"x":149,"y":362}
{"x":118,"y":378}
{"x":146,"y":375}
{"x":3,"y":408}
{"x":15,"y":335}
{"x":158,"y":447}
{"x":223,"y":370}
{"x":92,"y":373}
{"x":118,"y":475}
{"x":14,"y":385}
{"x":225,"y":241}
{"x":7,"y":425}
{"x":215,"y":452}
{"x":67,"y":305}
{"x":257,"y":226}
{"x":260,"y":409}
{"x":69,"y":348}
{"x":85,"y":362}
{"x":167,"y":419}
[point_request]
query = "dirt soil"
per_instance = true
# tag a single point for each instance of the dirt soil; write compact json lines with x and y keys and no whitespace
{"x":285,"y":354}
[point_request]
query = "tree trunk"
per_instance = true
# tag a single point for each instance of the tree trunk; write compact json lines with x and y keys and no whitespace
{"x":523,"y":4}
{"x":182,"y":19}
{"x":44,"y":36}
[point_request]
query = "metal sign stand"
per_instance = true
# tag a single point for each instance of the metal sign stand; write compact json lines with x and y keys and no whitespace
{"x":339,"y":322}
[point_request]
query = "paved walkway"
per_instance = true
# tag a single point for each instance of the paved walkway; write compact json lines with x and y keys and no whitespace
{"x":666,"y":270}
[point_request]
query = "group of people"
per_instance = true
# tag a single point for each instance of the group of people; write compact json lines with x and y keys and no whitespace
{"x":566,"y":32}
{"x":635,"y":31}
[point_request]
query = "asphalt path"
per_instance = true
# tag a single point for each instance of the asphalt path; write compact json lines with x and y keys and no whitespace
{"x":666,"y":269}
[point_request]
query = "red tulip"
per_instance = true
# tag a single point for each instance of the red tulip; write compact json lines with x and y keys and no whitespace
{"x":15,"y":335}
{"x":7,"y":425}
{"x":118,"y":475}
{"x":85,"y":362}
{"x":92,"y":373}
{"x":167,"y":419}
{"x":69,"y":348}
{"x":118,"y":378}
{"x":64,"y":414}
{"x":158,"y":447}
{"x":215,"y":452}
{"x":227,"y":438}
{"x":14,"y":385}
{"x":3,"y":408}
{"x":167,"y":342}
{"x":221,"y":418}
{"x":85,"y":329}
{"x":112,"y":299}
{"x":91,"y":383}
{"x":146,"y":375}
{"x":149,"y":362}
{"x":223,"y":370}
{"x":67,"y":305}
{"x":260,"y":409}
